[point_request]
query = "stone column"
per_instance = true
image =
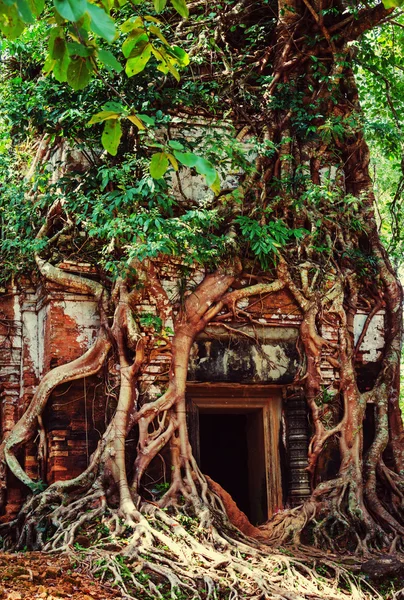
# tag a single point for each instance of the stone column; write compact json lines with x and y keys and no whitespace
{"x":297,"y":444}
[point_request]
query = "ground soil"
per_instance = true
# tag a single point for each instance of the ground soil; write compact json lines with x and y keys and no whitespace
{"x":36,"y":575}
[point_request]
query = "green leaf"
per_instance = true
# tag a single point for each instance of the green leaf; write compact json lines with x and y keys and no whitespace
{"x":180,"y":54}
{"x":181,"y":8}
{"x":55,"y":32}
{"x":111,"y":136}
{"x":37,"y":6}
{"x":204,"y":167}
{"x":101,"y":23}
{"x":159,"y":5}
{"x":78,"y":74}
{"x":25,"y":11}
{"x":148,"y":120}
{"x":109,"y":60}
{"x":131,"y":24}
{"x":76,"y":49}
{"x":175,"y":145}
{"x":61,"y":66}
{"x":71,"y":10}
{"x":188,"y":159}
{"x":59,"y":49}
{"x":11,"y":23}
{"x":137,"y":64}
{"x":158,"y":165}
{"x":166,"y":62}
{"x":103,"y":115}
{"x":139,"y":38}
{"x":166,"y":67}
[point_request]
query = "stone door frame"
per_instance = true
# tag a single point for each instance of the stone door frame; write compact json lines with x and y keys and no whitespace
{"x":222,"y":397}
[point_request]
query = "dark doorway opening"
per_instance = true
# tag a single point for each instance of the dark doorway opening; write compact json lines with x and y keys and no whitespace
{"x":231,"y":451}
{"x":224,"y":454}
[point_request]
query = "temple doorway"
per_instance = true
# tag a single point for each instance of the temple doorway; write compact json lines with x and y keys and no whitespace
{"x":234,"y":432}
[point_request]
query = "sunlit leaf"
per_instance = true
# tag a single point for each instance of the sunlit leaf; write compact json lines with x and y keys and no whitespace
{"x":132,"y":24}
{"x":111,"y":136}
{"x":215,"y":186}
{"x":136,"y":121}
{"x":103,"y":115}
{"x":181,"y":56}
{"x":139,"y":38}
{"x":173,"y":161}
{"x":158,"y":165}
{"x":181,"y":8}
{"x":157,"y":32}
{"x":159,"y":5}
{"x":137,"y":64}
{"x":11,"y":23}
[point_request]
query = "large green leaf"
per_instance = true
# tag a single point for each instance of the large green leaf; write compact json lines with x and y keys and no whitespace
{"x":78,"y":73}
{"x":175,"y":145}
{"x":159,"y":5}
{"x":11,"y":23}
{"x":111,"y":136}
{"x":36,"y":6}
{"x":158,"y":165}
{"x":204,"y":167}
{"x":166,"y":62}
{"x":109,"y":60}
{"x":101,"y":23}
{"x":61,"y":66}
{"x":137,"y":64}
{"x":25,"y":11}
{"x":71,"y":10}
{"x":188,"y":159}
{"x":181,"y":7}
{"x":215,"y":186}
{"x":55,"y":32}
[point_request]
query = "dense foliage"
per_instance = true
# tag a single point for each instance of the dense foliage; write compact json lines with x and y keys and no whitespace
{"x":39,"y":100}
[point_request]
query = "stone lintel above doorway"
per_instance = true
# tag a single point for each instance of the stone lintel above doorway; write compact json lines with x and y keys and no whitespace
{"x":245,"y":353}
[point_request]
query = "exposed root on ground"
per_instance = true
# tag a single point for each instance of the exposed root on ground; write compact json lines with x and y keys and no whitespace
{"x":191,"y":549}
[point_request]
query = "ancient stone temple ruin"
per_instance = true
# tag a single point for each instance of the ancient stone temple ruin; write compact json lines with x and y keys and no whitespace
{"x":247,"y":418}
